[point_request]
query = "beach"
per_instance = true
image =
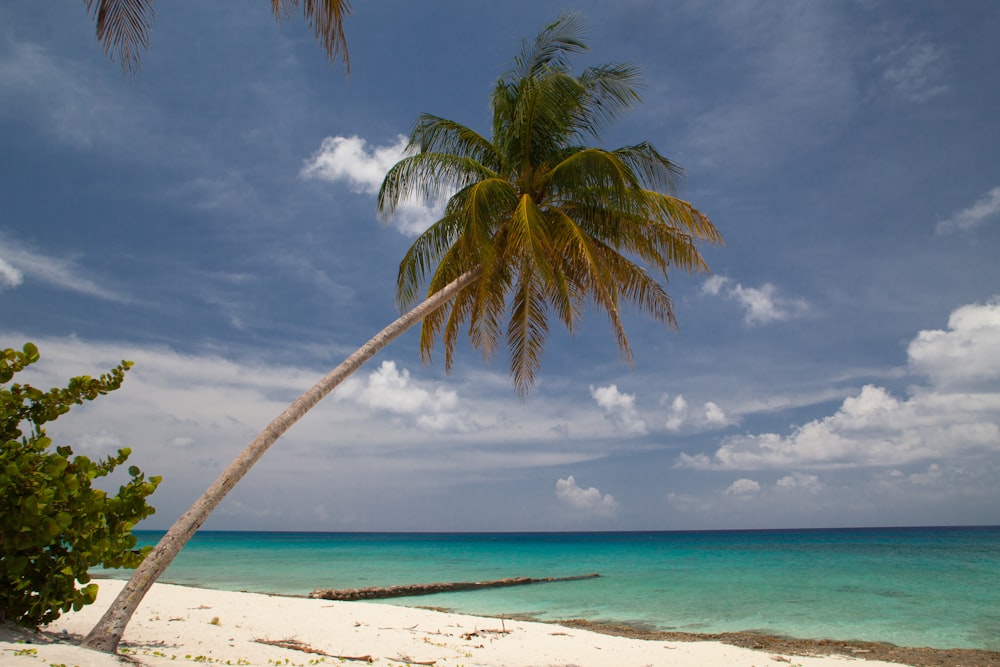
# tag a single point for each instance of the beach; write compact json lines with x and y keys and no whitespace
{"x":920,"y":597}
{"x":180,"y":625}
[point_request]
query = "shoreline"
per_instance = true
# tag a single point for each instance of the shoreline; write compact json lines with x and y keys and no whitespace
{"x":180,"y":625}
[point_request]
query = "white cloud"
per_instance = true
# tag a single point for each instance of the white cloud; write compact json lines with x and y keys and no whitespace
{"x":587,"y":500}
{"x":915,"y":71}
{"x":9,"y":275}
{"x":681,"y":416}
{"x":99,"y":444}
{"x":957,"y":412}
{"x":678,"y":413}
{"x":984,"y":209}
{"x":186,"y":416}
{"x":762,"y":305}
{"x":801,"y":482}
{"x":348,"y":159}
{"x":619,"y":408}
{"x":743,"y":487}
{"x":714,"y":415}
{"x":713,"y":285}
{"x":18,"y":264}
{"x":967,"y":355}
{"x":933,"y":475}
{"x":389,"y":389}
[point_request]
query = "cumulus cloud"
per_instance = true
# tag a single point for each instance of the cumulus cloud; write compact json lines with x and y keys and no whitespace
{"x":761,"y":305}
{"x":958,"y":411}
{"x":619,"y":408}
{"x":743,"y":487}
{"x":967,"y":355}
{"x":800,"y":481}
{"x":678,"y":413}
{"x":350,"y":160}
{"x":388,"y":389}
{"x":587,"y":500}
{"x":985,"y":208}
{"x":932,"y":476}
{"x":681,"y":416}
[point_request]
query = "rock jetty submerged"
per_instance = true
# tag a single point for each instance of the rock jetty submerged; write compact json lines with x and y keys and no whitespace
{"x":407,"y":590}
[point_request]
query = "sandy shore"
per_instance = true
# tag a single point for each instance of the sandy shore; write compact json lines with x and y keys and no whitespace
{"x":177,"y":625}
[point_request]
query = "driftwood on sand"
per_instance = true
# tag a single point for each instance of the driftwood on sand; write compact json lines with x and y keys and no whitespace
{"x":379,"y":592}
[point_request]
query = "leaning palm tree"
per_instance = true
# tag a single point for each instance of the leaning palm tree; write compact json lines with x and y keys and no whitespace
{"x":123,"y":26}
{"x":535,"y":224}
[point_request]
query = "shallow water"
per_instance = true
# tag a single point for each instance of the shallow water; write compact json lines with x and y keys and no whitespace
{"x":936,"y":587}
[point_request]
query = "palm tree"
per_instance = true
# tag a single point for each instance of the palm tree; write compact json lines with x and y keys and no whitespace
{"x":536,"y":224}
{"x":123,"y":26}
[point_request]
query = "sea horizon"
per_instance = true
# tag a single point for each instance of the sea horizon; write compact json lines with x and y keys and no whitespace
{"x":587,"y":532}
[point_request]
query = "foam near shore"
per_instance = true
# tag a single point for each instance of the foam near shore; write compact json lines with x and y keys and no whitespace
{"x":178,"y":625}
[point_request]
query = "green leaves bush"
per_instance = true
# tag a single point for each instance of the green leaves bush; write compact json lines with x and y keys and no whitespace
{"x":54,"y":525}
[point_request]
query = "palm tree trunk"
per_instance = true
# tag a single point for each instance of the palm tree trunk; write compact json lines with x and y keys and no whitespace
{"x":108,"y":632}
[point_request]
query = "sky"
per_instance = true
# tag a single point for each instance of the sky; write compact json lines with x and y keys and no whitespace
{"x":213,"y":220}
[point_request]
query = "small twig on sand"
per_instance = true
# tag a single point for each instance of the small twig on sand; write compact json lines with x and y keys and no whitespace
{"x":296,"y":645}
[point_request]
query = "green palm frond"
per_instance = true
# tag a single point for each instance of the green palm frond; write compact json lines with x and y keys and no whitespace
{"x":656,"y":172}
{"x":432,"y":134}
{"x":551,"y":49}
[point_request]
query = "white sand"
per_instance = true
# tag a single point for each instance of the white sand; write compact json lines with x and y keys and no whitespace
{"x":177,"y":625}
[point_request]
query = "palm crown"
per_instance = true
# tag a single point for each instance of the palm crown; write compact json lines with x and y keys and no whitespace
{"x":547,"y":224}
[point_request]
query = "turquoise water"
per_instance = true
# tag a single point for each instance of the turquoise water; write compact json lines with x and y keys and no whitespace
{"x":936,"y":587}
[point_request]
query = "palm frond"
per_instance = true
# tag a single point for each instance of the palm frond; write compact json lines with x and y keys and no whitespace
{"x":326,"y":17}
{"x":527,"y":331}
{"x":424,"y":255}
{"x":432,"y":134}
{"x":551,"y":48}
{"x":427,"y":177}
{"x":655,"y":171}
{"x":683,"y":216}
{"x":123,"y":29}
{"x":611,"y":91}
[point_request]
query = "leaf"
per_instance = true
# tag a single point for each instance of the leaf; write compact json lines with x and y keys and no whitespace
{"x":31,"y":352}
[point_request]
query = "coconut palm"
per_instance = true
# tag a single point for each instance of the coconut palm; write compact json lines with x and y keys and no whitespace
{"x":547,"y":224}
{"x":123,"y":26}
{"x":537,"y":224}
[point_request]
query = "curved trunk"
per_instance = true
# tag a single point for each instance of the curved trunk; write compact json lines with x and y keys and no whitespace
{"x":108,"y":631}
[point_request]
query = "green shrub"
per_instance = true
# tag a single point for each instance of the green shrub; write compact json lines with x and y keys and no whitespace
{"x":54,"y":525}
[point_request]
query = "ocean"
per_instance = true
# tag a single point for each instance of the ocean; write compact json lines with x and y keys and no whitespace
{"x":937,"y":587}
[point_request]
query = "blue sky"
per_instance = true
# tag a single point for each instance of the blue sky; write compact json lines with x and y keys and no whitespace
{"x":213,"y":220}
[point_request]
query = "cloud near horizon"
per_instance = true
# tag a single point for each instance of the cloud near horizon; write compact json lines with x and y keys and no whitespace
{"x":956,"y":413}
{"x":388,"y":389}
{"x":351,"y":161}
{"x":587,"y":500}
